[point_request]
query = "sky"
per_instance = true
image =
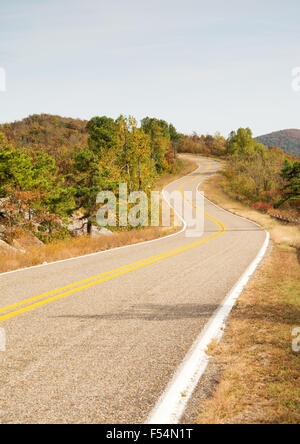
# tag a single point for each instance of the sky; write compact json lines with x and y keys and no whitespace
{"x":205,"y":66}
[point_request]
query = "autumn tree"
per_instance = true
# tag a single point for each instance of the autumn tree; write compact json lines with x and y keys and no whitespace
{"x":53,"y":165}
{"x":31,"y":186}
{"x":175,"y":138}
{"x":159,"y":133}
{"x":140,"y":156}
{"x":241,"y":141}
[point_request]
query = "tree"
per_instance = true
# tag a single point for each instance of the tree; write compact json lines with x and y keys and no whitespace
{"x":175,"y":138}
{"x":253,"y":170}
{"x":32,"y":187}
{"x":87,"y":182}
{"x":291,"y":175}
{"x":140,"y":149}
{"x":241,"y":141}
{"x":134,"y":153}
{"x":159,"y":133}
{"x":123,"y":144}
{"x":219,"y":146}
{"x":103,"y":133}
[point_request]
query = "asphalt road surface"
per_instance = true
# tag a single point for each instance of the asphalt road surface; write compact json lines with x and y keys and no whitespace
{"x":103,"y":350}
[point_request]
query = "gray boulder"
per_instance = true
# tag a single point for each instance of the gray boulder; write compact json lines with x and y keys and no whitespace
{"x":6,"y":248}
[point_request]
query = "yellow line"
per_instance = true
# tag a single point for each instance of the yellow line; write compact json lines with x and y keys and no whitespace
{"x":46,"y":301}
{"x":125,"y":268}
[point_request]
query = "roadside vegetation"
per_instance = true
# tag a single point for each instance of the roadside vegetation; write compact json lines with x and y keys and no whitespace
{"x":265,"y":178}
{"x":75,"y":247}
{"x":259,"y":378}
{"x":259,"y":371}
{"x":41,"y":187}
{"x":26,"y":250}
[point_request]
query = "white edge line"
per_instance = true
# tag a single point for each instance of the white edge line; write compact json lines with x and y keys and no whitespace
{"x":116,"y":248}
{"x":172,"y":403}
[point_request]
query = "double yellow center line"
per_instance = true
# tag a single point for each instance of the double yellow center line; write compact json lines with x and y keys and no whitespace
{"x":95,"y":280}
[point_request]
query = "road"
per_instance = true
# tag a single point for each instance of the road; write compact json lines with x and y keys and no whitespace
{"x":103,"y":350}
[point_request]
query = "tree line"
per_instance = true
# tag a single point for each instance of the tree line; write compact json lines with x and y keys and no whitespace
{"x":51,"y":166}
{"x":40,"y":190}
{"x":254,"y":173}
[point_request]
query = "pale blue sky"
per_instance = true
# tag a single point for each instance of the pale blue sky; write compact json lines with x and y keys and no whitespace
{"x":206,"y":66}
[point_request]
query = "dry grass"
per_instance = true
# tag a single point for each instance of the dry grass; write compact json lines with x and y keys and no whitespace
{"x":77,"y":247}
{"x":259,"y":379}
{"x":74,"y":247}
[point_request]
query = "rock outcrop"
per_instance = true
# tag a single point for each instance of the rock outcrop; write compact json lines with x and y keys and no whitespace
{"x":27,"y":240}
{"x":5,"y":248}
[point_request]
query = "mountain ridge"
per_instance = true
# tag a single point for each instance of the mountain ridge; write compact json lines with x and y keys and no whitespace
{"x":287,"y":139}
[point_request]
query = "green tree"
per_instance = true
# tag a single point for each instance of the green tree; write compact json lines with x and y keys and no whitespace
{"x":30,"y":182}
{"x":103,"y":132}
{"x":175,"y":138}
{"x":241,"y":141}
{"x":253,"y":170}
{"x":291,"y":175}
{"x":140,"y":156}
{"x":134,"y":153}
{"x":160,"y":139}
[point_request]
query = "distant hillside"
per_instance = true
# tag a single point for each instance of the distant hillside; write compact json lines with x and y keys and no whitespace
{"x":288,"y":140}
{"x":53,"y":134}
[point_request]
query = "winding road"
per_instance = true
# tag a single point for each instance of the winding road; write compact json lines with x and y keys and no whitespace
{"x":97,"y":339}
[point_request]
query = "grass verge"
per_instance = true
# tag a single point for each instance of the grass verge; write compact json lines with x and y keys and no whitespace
{"x":74,"y":247}
{"x":259,"y":380}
